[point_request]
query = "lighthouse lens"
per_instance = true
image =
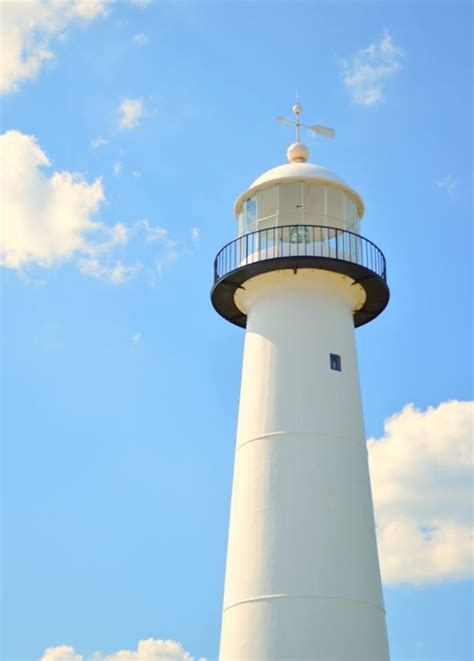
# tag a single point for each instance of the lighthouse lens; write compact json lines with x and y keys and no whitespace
{"x":299,"y":234}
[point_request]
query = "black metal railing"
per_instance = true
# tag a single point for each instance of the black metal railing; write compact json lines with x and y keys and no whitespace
{"x":299,"y":241}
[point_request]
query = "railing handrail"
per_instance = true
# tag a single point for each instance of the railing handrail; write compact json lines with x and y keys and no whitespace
{"x":278,"y":228}
{"x":282,"y":227}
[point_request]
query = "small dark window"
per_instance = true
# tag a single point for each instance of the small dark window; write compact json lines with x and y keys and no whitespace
{"x":335,"y":361}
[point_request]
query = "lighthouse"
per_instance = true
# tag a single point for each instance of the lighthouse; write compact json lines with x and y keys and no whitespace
{"x":302,"y":573}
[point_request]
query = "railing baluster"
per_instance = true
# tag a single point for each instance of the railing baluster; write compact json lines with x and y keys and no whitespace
{"x":299,"y":241}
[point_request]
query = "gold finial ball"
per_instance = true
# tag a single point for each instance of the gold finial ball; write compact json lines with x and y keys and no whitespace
{"x":297,"y":109}
{"x":297,"y":153}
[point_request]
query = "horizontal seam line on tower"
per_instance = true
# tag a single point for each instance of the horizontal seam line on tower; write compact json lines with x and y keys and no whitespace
{"x":301,"y":596}
{"x":294,"y":433}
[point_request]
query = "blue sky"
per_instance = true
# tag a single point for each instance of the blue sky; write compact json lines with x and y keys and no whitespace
{"x":120,"y":383}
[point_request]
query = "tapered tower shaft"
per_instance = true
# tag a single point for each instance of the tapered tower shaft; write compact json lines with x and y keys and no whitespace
{"x":302,"y":578}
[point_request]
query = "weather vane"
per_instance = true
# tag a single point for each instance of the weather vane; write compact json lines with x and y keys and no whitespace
{"x":315,"y":128}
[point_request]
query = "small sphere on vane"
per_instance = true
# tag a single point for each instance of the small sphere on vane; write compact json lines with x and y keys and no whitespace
{"x":297,"y":109}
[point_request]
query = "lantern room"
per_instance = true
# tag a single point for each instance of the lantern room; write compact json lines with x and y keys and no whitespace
{"x":298,"y":193}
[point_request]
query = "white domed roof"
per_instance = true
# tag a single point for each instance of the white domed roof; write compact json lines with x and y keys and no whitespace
{"x":297,"y":170}
{"x":307,"y":172}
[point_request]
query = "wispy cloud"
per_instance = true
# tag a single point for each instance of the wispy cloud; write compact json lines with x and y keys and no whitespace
{"x":117,"y":168}
{"x":166,"y":248}
{"x":115,"y":274}
{"x":131,"y":112}
{"x":422,"y":472}
{"x":367,"y":72}
{"x":28,"y":30}
{"x":117,"y":235}
{"x":136,"y":338}
{"x":152,"y":232}
{"x":98,"y":142}
{"x":449,"y":184}
{"x":141,"y":3}
{"x":170,"y":249}
{"x":162,"y":262}
{"x":140,"y":39}
{"x":147,"y":650}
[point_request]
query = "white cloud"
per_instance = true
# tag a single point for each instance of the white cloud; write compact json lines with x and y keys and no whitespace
{"x":136,"y":338}
{"x":136,"y":173}
{"x":170,"y":250}
{"x":115,"y":274}
{"x":29,"y":27}
{"x":449,"y":184}
{"x":147,"y":650}
{"x":45,"y":219}
{"x":422,"y":471}
{"x":117,"y":168}
{"x":130,"y":111}
{"x":153,"y":232}
{"x":367,"y":72}
{"x":119,"y":235}
{"x":164,"y":261}
{"x":61,"y":653}
{"x":98,"y":142}
{"x":140,"y":39}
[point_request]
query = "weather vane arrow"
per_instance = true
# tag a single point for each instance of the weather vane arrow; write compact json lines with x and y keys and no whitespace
{"x":315,"y":128}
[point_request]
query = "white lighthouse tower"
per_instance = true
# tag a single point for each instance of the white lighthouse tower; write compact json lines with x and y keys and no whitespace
{"x":302,"y":576}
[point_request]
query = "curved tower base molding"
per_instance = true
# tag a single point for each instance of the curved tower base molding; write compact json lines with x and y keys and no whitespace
{"x":304,"y":631}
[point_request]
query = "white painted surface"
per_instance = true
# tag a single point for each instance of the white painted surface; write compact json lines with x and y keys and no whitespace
{"x":297,"y":153}
{"x":298,"y":170}
{"x":298,"y":203}
{"x":302,"y":577}
{"x":306,"y":172}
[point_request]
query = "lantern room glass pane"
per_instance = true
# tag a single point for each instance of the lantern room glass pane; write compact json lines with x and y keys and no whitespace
{"x":267,"y":202}
{"x":350,"y":214}
{"x":241,"y":223}
{"x":313,"y":204}
{"x":248,"y":216}
{"x":267,"y":238}
{"x":290,"y":198}
{"x":250,"y":211}
{"x":335,"y":206}
{"x":299,"y":203}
